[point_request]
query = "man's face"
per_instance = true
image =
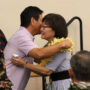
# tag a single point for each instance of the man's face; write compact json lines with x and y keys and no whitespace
{"x":38,"y":24}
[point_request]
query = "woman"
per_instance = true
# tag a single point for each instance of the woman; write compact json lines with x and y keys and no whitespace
{"x":53,"y":26}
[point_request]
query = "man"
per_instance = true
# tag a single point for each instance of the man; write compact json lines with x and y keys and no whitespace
{"x":80,"y":72}
{"x":21,"y":43}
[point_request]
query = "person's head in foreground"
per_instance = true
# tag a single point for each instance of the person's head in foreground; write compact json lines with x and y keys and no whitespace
{"x":53,"y":25}
{"x":80,"y":69}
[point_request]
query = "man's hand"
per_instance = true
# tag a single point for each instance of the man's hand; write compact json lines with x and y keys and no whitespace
{"x":66,"y":44}
{"x":18,"y":61}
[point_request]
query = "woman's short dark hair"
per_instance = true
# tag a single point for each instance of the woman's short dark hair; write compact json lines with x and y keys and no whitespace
{"x":28,"y":13}
{"x":57,"y":23}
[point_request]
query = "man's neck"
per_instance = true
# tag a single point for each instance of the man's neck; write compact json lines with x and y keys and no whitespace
{"x":31,"y":31}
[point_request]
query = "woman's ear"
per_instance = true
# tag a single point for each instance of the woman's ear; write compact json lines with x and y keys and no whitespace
{"x":71,"y":74}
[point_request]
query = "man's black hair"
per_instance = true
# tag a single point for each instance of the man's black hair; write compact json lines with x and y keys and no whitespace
{"x":28,"y":13}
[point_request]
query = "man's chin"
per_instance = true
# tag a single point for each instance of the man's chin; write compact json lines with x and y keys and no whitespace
{"x":38,"y":33}
{"x":42,"y":38}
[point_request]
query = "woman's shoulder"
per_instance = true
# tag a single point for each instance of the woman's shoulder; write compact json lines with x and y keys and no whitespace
{"x":63,"y":54}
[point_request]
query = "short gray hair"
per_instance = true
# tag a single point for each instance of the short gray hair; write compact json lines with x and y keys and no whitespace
{"x":80,"y":64}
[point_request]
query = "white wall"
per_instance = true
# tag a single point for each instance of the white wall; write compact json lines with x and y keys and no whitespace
{"x":10,"y":13}
{"x":10,"y":18}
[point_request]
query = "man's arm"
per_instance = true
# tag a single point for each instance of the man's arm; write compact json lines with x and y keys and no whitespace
{"x":38,"y":69}
{"x":39,"y":53}
{"x":35,"y":68}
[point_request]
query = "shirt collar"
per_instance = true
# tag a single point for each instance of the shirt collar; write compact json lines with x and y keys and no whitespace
{"x":23,"y":28}
{"x":82,"y":84}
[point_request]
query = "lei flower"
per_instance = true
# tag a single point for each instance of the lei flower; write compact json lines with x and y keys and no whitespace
{"x":56,"y":41}
{"x":47,"y":60}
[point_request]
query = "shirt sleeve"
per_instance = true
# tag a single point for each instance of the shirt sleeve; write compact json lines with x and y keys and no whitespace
{"x":26,"y":44}
{"x":57,"y":60}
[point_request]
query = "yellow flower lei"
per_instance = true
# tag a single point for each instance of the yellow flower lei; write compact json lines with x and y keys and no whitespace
{"x":55,"y":41}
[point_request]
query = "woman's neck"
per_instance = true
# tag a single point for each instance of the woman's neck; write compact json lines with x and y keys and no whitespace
{"x":50,"y":40}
